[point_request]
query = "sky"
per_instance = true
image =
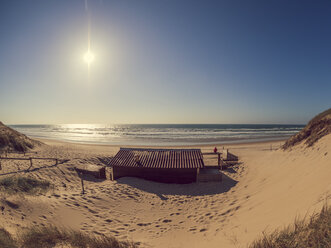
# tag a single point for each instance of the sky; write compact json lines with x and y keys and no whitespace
{"x":167,"y":61}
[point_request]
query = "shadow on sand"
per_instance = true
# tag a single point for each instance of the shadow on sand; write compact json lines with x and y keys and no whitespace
{"x":34,"y":169}
{"x":192,"y":189}
{"x":91,"y":178}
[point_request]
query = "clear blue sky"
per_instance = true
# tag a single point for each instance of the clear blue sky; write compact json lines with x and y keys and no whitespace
{"x":165,"y":61}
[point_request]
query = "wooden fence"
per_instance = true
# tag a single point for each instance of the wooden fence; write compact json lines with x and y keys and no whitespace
{"x":219,"y":160}
{"x":28,"y":159}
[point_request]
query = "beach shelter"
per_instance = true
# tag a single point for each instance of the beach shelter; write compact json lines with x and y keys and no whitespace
{"x":162,"y":165}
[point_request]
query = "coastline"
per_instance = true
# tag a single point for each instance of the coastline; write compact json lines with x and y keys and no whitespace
{"x":277,"y":144}
{"x":157,"y":135}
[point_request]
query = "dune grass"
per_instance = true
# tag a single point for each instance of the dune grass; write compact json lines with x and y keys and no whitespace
{"x":317,"y":128}
{"x":313,"y":233}
{"x":49,"y":237}
{"x":20,"y":184}
{"x":6,"y":240}
{"x":13,"y":140}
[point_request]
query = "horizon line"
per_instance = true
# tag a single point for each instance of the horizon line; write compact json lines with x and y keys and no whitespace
{"x":297,"y":124}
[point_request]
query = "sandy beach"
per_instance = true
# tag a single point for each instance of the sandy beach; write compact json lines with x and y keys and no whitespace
{"x":111,"y":112}
{"x":268,"y":189}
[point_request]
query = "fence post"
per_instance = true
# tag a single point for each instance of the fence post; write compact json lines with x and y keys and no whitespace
{"x":30,"y":163}
{"x":83,"y":191}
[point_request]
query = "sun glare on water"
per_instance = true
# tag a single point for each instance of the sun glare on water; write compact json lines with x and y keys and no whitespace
{"x":89,"y":57}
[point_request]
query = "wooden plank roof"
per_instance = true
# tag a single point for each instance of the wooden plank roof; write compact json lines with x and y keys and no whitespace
{"x":158,"y":158}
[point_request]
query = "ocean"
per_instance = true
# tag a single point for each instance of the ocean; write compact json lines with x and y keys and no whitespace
{"x":159,"y":134}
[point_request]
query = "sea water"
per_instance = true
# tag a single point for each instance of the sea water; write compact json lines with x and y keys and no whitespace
{"x":160,"y":134}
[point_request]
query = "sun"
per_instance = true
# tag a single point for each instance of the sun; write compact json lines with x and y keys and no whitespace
{"x":89,"y":57}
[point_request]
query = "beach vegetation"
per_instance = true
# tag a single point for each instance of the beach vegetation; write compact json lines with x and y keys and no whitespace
{"x":51,"y":236}
{"x":317,"y":128}
{"x":315,"y":232}
{"x":15,"y":141}
{"x":20,"y":184}
{"x":6,"y":240}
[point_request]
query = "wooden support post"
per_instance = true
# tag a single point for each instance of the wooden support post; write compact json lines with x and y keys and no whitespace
{"x":30,"y":163}
{"x":219,"y":161}
{"x":198,"y":171}
{"x":56,"y":160}
{"x":83,"y":190}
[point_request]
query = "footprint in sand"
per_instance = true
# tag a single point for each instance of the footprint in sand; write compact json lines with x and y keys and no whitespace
{"x":144,"y":224}
{"x":226,"y":212}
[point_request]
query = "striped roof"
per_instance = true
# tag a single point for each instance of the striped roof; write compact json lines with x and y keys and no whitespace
{"x":158,"y":158}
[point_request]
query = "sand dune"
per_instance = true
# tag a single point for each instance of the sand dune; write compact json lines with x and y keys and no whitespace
{"x":267,"y":190}
{"x":10,"y":139}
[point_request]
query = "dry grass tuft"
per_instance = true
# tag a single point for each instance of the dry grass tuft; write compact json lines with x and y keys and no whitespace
{"x":13,"y":140}
{"x":19,"y":184}
{"x":314,"y":233}
{"x":318,"y":127}
{"x":6,"y":240}
{"x":50,"y":237}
